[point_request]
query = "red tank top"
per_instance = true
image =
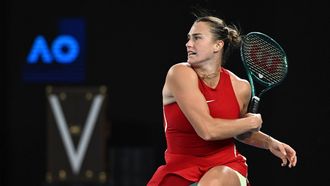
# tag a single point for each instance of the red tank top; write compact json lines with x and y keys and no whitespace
{"x":188,"y":155}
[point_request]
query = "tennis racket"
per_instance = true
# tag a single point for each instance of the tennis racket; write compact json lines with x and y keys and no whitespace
{"x":265,"y":62}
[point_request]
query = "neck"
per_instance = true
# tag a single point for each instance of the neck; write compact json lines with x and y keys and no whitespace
{"x":209,"y":75}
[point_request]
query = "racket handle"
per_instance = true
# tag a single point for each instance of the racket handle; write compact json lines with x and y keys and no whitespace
{"x":254,"y":104}
{"x":253,"y":108}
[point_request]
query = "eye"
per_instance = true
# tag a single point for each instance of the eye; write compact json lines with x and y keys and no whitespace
{"x":196,"y":37}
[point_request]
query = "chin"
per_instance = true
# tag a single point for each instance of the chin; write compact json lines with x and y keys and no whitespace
{"x":192,"y":62}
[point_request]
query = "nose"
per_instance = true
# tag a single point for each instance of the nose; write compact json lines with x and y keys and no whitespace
{"x":189,"y":43}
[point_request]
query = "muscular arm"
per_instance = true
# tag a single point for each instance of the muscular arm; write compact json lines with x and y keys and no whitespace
{"x":182,"y":84}
{"x":243,"y":93}
{"x":259,"y":139}
{"x":282,"y":150}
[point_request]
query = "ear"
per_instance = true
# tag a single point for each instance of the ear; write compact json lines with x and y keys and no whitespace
{"x":219,"y":45}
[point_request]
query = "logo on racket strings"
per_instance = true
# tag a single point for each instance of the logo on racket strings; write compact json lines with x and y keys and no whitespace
{"x":264,"y":60}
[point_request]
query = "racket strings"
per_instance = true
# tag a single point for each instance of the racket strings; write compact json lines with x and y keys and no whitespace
{"x":265,"y":59}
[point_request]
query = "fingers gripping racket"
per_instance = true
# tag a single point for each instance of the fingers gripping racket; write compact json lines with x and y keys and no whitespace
{"x":265,"y":62}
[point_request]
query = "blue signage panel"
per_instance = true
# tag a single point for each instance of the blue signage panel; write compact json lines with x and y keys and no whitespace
{"x":60,"y":59}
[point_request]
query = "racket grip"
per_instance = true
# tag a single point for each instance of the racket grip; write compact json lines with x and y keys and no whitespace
{"x":253,"y":108}
{"x":254,"y":104}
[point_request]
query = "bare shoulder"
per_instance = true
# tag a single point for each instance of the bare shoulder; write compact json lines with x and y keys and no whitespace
{"x":182,"y":67}
{"x":242,"y":90}
{"x":238,"y":82}
{"x":177,"y":77}
{"x":180,"y":73}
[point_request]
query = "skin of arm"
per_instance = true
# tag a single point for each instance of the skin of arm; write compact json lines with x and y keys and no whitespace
{"x":193,"y":104}
{"x":259,"y":139}
{"x":281,"y":150}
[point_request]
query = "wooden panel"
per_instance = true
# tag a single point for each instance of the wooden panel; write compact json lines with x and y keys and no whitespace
{"x":77,"y":116}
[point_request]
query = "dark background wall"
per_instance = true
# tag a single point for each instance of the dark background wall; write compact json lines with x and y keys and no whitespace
{"x":129,"y":47}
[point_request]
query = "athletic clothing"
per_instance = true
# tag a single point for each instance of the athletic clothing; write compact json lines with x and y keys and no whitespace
{"x":188,"y":156}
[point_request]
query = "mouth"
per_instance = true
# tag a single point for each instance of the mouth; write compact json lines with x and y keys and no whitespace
{"x":191,"y":53}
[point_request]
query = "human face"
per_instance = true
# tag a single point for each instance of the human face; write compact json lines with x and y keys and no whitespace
{"x":201,"y":46}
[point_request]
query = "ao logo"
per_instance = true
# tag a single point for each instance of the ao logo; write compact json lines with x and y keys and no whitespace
{"x":64,"y":50}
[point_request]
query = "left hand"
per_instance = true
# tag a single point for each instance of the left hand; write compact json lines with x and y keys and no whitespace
{"x":283,"y":151}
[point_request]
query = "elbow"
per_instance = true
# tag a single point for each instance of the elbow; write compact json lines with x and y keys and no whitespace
{"x":207,"y":131}
{"x":208,"y":135}
{"x":211,"y":136}
{"x":204,"y":134}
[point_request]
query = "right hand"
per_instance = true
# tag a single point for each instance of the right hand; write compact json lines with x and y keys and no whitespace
{"x":255,"y":120}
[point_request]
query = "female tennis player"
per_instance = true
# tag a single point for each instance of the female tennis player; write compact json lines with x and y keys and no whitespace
{"x":205,"y":108}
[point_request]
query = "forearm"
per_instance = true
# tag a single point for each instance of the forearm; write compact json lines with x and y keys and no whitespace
{"x":220,"y":129}
{"x":258,"y":139}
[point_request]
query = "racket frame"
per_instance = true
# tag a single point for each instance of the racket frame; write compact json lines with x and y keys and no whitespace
{"x":252,"y":76}
{"x":254,"y":102}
